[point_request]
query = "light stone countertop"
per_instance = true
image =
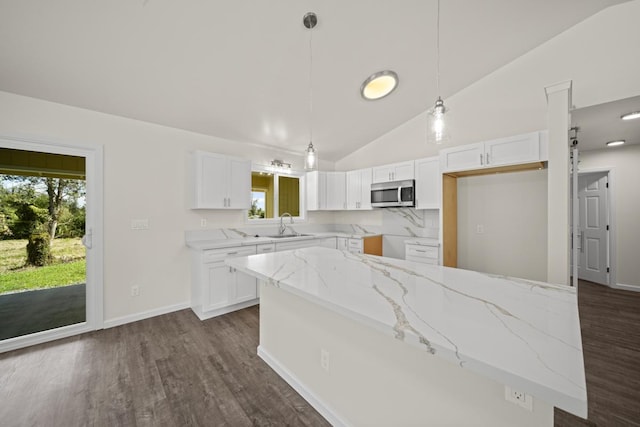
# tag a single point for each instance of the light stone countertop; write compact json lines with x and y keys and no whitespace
{"x":250,"y":240}
{"x":521,"y":333}
{"x":424,"y":241}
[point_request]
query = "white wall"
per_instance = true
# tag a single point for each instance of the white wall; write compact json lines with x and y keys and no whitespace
{"x":145,"y":176}
{"x":597,"y":55}
{"x":625,"y":162}
{"x":512,"y":210}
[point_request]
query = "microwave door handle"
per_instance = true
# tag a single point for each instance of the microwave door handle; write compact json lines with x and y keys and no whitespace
{"x":399,"y":194}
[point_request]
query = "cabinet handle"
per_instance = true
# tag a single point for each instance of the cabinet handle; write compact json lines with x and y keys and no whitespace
{"x":232,"y":253}
{"x":420,"y":250}
{"x":481,"y":160}
{"x":229,"y":202}
{"x":487,"y":158}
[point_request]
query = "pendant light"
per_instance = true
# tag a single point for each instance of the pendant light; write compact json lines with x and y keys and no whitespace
{"x":438,"y":129}
{"x":310,"y":156}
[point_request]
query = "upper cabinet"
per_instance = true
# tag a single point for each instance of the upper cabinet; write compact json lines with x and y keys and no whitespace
{"x":326,"y":191}
{"x":393,"y":172}
{"x":513,"y":150}
{"x":220,"y":182}
{"x":359,"y":189}
{"x":428,"y":185}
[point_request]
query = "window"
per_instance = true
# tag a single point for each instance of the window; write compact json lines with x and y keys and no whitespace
{"x":273,"y":194}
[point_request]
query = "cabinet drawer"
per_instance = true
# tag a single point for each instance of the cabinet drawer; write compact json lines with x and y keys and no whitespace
{"x":218,"y":255}
{"x":432,"y":261}
{"x":355,"y":243}
{"x":421,"y":252}
{"x":265,"y":248}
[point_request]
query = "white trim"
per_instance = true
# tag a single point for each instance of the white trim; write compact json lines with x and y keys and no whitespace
{"x":325,"y":410}
{"x":204,"y":315}
{"x":566,"y":85}
{"x":94,"y":173}
{"x":130,"y":318}
{"x":624,"y":287}
{"x":44,"y":336}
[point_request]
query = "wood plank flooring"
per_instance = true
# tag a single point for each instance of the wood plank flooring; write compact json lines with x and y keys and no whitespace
{"x":175,"y":370}
{"x":172,"y":370}
{"x":610,"y":323}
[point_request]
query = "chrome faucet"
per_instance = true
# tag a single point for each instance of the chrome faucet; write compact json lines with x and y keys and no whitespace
{"x":283,"y":226}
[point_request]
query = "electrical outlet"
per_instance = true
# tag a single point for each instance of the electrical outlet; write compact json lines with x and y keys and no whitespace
{"x":139,"y":224}
{"x":203,"y":222}
{"x":324,"y":360}
{"x":480,"y":228}
{"x":519,"y":398}
{"x":135,"y":290}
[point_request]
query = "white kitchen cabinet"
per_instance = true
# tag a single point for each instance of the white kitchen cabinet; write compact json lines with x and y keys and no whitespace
{"x":342,"y":243}
{"x":220,"y":182}
{"x":513,"y":150}
{"x":218,"y":289}
{"x":326,"y":191}
{"x":355,"y":246}
{"x":393,"y":172}
{"x":421,"y":253}
{"x":359,"y":189}
{"x":328,"y":242}
{"x":428,"y":183}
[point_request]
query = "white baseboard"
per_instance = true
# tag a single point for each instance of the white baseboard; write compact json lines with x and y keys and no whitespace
{"x":622,"y":286}
{"x":44,"y":336}
{"x":144,"y":315}
{"x":325,"y":410}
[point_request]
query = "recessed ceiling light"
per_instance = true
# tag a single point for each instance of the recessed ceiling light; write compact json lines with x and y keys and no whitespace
{"x":614,"y":143}
{"x":631,"y":116}
{"x":379,"y":85}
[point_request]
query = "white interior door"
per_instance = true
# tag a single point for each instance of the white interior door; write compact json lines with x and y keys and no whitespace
{"x":593,"y":236}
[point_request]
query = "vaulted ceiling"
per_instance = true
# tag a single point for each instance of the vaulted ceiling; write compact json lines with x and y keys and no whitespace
{"x":240,"y":69}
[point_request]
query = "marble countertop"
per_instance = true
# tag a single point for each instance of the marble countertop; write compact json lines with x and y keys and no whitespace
{"x":424,"y":241}
{"x":252,"y":240}
{"x":521,"y":333}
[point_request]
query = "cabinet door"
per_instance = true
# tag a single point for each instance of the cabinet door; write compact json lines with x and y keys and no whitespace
{"x":354,"y":190}
{"x":428,"y":183}
{"x":316,"y":190}
{"x":365,"y":189}
{"x":216,"y":292}
{"x":327,"y":242}
{"x":512,"y":150}
{"x":382,"y":174}
{"x":466,"y":157}
{"x":210,"y":181}
{"x":403,"y":171}
{"x":239,"y":184}
{"x":244,"y":287}
{"x":342,"y":243}
{"x":336,"y":191}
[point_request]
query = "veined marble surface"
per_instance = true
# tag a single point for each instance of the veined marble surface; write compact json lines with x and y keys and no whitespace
{"x":521,"y":333}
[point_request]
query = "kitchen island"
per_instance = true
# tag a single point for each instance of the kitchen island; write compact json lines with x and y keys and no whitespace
{"x":378,"y":341}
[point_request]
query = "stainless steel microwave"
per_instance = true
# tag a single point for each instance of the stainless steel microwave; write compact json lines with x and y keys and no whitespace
{"x":393,"y":194}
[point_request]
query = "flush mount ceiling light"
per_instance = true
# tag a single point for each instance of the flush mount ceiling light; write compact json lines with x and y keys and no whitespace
{"x":631,"y":116}
{"x":614,"y":143}
{"x":309,"y":20}
{"x":378,"y":85}
{"x":438,"y":130}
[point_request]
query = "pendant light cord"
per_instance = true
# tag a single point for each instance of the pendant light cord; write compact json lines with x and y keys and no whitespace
{"x":438,"y":49}
{"x":311,"y":85}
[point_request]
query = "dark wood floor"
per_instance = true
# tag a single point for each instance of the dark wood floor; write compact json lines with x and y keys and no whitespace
{"x":172,"y":370}
{"x":175,"y":370}
{"x":610,"y":323}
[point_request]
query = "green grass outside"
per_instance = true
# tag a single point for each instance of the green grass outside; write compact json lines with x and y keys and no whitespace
{"x":68,"y":266}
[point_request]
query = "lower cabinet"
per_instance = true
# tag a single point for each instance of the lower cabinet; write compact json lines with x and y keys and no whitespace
{"x":422,"y":254}
{"x":218,"y":289}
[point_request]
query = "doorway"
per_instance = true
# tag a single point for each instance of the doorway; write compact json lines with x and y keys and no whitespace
{"x":594,"y":227}
{"x":47,"y":314}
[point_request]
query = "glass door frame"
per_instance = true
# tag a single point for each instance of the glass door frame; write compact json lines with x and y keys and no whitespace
{"x":94,"y":239}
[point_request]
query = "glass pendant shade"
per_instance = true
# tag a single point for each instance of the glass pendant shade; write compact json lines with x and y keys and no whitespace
{"x":310,"y":158}
{"x":438,"y":127}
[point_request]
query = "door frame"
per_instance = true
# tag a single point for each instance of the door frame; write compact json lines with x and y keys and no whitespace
{"x":610,"y":206}
{"x":93,"y":225}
